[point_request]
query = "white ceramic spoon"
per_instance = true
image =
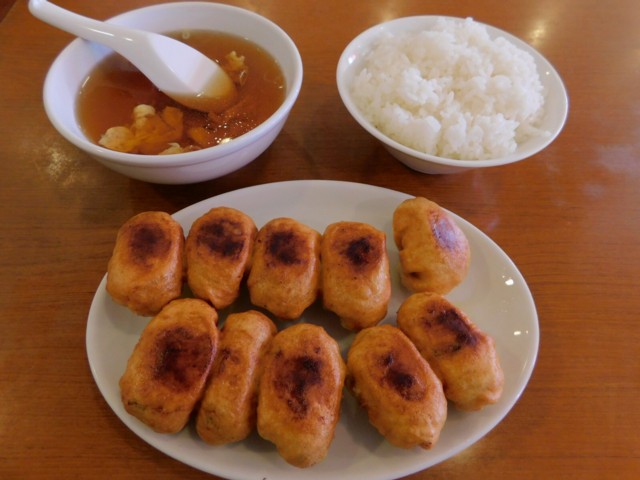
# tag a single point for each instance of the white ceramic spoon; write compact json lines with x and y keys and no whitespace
{"x":179,"y":71}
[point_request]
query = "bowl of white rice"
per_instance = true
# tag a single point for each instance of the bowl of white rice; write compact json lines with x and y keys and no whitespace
{"x":447,"y":94}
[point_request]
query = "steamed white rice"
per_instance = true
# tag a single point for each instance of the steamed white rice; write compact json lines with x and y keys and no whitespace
{"x":451,"y":91}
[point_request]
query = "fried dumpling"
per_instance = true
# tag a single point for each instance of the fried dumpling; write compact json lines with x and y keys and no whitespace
{"x":356,"y":283}
{"x":395,"y":385}
{"x":146,"y":269}
{"x":285,"y":268}
{"x":218,"y":251}
{"x":300,"y":393}
{"x":227,"y":412}
{"x":463,"y":357}
{"x":166,"y":373}
{"x":434,"y":251}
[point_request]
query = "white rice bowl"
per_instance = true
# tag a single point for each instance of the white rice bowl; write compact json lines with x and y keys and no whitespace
{"x":451,"y":91}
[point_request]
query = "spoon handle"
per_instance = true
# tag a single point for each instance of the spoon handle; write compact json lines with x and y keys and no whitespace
{"x":114,"y":36}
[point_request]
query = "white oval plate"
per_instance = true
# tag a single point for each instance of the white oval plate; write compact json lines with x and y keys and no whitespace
{"x":494,"y":295}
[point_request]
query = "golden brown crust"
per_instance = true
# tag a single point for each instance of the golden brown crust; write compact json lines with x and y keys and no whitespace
{"x":218,"y":250}
{"x":400,"y":393}
{"x":166,"y":373}
{"x":300,"y":393}
{"x":434,"y":252}
{"x":285,"y":269}
{"x":356,"y":284}
{"x":228,"y":409}
{"x":146,"y":269}
{"x":462,"y":356}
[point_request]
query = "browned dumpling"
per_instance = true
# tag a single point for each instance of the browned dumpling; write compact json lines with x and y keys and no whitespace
{"x":395,"y":385}
{"x":227,"y":412}
{"x":218,"y":251}
{"x":285,"y":269}
{"x":434,"y":252}
{"x":356,"y":283}
{"x":300,"y":393}
{"x":166,"y":373}
{"x":146,"y":269}
{"x":462,"y":356}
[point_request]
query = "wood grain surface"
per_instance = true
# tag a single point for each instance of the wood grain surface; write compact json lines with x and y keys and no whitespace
{"x":568,"y":217}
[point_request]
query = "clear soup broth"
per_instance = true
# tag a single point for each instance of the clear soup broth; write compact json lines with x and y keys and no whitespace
{"x":115,"y":87}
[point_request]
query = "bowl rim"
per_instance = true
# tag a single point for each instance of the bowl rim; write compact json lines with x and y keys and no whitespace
{"x":187,"y":158}
{"x":365,"y":38}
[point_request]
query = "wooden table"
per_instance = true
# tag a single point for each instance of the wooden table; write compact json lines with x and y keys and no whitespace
{"x":568,"y":218}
